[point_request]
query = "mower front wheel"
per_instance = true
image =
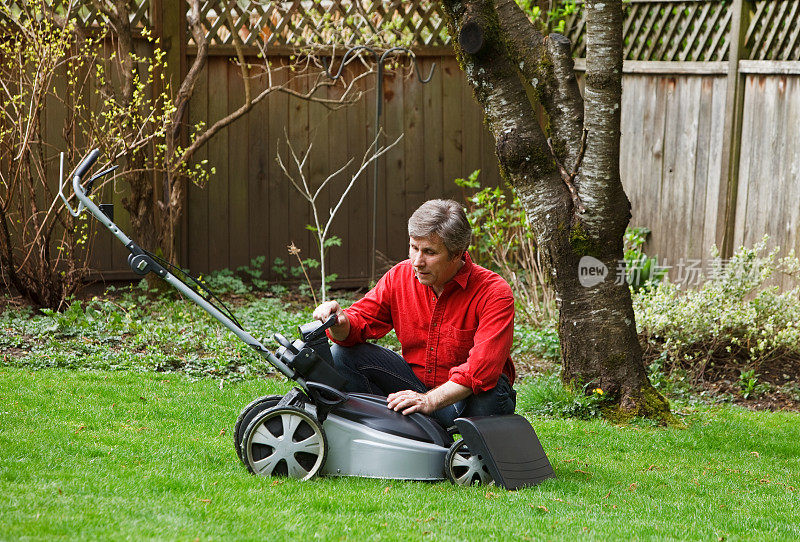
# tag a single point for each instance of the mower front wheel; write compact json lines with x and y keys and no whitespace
{"x":463,"y":468}
{"x":249,"y":412}
{"x":285,"y":441}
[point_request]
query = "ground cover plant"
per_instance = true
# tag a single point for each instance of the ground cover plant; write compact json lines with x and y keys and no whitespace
{"x":141,"y":329}
{"x":127,"y":455}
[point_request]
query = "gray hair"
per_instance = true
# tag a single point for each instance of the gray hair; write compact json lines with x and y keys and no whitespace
{"x":444,"y":218}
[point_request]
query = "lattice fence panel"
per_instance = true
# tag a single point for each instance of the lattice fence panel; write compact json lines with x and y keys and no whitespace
{"x":682,"y":30}
{"x":84,"y":14}
{"x":325,"y":22}
{"x":774,"y":30}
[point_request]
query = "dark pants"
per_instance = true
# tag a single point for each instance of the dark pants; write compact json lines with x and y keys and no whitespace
{"x":370,"y":368}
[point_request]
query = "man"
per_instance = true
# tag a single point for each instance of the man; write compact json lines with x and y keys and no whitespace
{"x":453,"y":318}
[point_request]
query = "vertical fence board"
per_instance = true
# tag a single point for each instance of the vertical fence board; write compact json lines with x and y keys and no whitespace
{"x":685,"y":166}
{"x":715,"y":165}
{"x":653,"y":174}
{"x":338,"y":155}
{"x":238,"y":186}
{"x":471,"y":137}
{"x":772,"y":167}
{"x":665,"y":215}
{"x":279,"y":187}
{"x":634,"y":115}
{"x":380,"y":234}
{"x":452,"y":125}
{"x":784,"y":228}
{"x":395,"y":168}
{"x":792,"y":172}
{"x":414,"y":143}
{"x":197,"y":199}
{"x":298,"y":129}
{"x":218,"y":153}
{"x":318,"y":162}
{"x":259,"y":155}
{"x":699,"y":177}
{"x":757,"y":146}
{"x":359,"y":209}
{"x":433,"y":133}
{"x":490,"y":168}
{"x":792,"y":164}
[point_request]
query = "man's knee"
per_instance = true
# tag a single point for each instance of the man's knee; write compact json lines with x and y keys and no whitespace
{"x":351,"y":356}
{"x":500,"y":400}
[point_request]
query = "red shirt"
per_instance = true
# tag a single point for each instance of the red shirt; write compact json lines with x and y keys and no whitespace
{"x":464,"y":335}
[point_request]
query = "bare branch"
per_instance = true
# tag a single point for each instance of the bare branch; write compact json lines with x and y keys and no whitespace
{"x":190,"y":81}
{"x":291,"y":177}
{"x":364,"y":163}
{"x":331,"y":176}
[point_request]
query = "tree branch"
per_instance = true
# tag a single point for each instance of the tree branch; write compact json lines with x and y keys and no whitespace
{"x":569,"y":178}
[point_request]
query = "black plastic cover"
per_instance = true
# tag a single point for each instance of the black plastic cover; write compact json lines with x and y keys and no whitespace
{"x":312,"y":367}
{"x":371,"y":411}
{"x":108,"y":210}
{"x":509,"y":446}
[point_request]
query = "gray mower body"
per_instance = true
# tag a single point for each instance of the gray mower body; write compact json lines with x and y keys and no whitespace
{"x":366,"y":442}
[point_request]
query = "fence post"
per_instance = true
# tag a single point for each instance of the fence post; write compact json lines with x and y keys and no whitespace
{"x":731,"y":146}
{"x":169,"y":23}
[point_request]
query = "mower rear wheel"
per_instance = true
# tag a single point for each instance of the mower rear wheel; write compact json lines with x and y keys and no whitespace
{"x":463,"y":468}
{"x":285,"y":441}
{"x":246,"y":416}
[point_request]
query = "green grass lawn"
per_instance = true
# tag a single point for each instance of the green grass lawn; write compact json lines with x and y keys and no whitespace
{"x":141,"y":455}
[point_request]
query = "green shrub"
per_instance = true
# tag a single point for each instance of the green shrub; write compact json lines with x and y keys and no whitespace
{"x":541,"y":342}
{"x":246,"y":279}
{"x":735,"y":316}
{"x":547,"y":396}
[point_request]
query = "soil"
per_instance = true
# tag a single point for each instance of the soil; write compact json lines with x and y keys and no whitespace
{"x":777,"y":384}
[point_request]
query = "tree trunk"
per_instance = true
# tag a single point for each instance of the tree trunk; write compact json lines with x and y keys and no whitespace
{"x":569,"y":183}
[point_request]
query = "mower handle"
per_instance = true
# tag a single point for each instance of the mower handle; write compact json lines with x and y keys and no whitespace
{"x":87,"y":162}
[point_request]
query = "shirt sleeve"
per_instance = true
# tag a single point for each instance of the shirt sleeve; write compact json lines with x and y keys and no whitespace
{"x":491,"y":348}
{"x":371,"y":316}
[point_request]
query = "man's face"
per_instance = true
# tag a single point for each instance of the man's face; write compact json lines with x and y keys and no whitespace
{"x":433,"y":265}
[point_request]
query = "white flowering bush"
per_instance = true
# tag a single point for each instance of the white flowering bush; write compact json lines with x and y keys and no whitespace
{"x":735,"y":316}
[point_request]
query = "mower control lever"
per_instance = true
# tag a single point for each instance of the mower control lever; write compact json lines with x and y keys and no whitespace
{"x":315,"y":330}
{"x":284,"y":342}
{"x":89,"y":185}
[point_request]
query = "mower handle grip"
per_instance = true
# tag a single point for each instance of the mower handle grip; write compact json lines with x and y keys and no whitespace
{"x":332,"y":319}
{"x":87,"y":162}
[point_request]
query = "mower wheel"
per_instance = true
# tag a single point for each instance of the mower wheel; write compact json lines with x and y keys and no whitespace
{"x":463,"y":468}
{"x":248,"y":413}
{"x":285,"y":441}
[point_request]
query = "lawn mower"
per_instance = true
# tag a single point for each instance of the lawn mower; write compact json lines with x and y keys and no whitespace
{"x":319,"y":429}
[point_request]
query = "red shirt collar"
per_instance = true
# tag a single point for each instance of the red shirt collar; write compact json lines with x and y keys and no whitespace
{"x":462,"y":276}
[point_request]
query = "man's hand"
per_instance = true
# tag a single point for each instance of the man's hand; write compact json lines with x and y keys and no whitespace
{"x":408,"y":401}
{"x":341,"y":329}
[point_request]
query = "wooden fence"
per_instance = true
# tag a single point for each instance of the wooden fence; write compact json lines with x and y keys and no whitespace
{"x":250,"y":208}
{"x":710,"y":143}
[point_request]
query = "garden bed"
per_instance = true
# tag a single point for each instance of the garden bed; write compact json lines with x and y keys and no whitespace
{"x":775,"y":383}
